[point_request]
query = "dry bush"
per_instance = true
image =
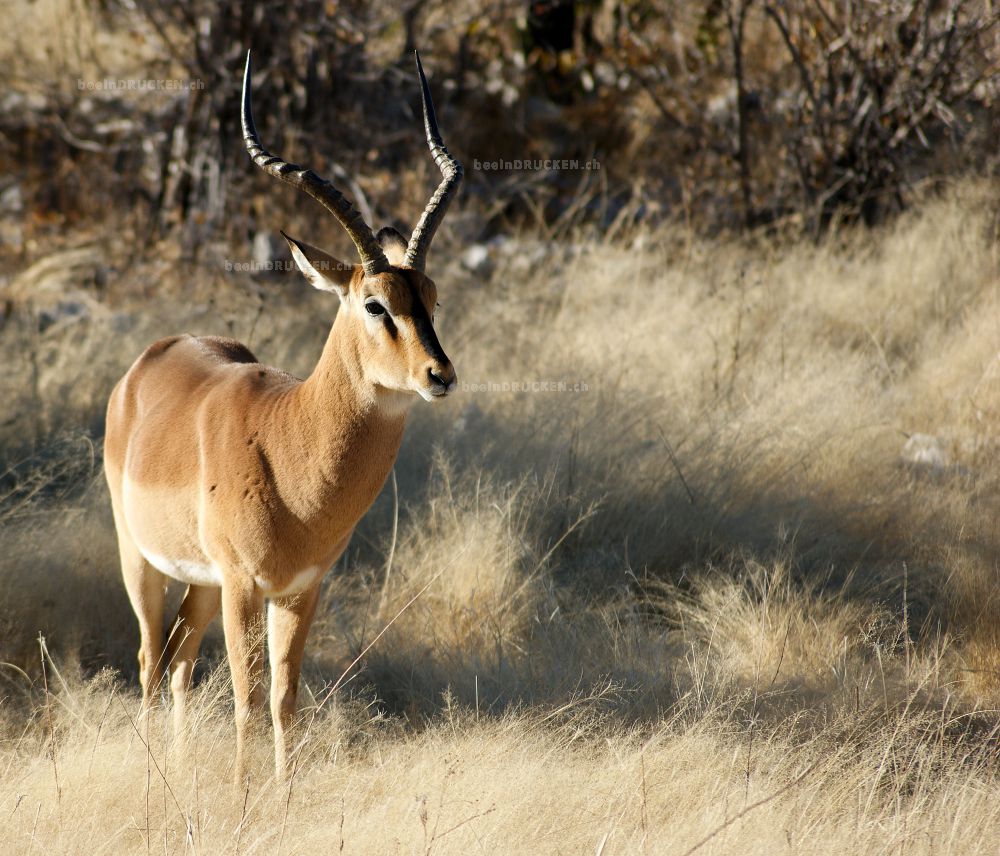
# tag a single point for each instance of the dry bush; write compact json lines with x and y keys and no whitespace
{"x":767,"y":112}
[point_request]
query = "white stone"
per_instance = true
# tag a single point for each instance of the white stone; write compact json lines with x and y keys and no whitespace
{"x":925,"y":450}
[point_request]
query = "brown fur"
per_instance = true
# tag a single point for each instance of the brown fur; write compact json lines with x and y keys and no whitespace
{"x":218,"y":463}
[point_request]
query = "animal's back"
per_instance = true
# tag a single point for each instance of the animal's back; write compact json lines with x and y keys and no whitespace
{"x":159,"y":394}
{"x":152,"y":448}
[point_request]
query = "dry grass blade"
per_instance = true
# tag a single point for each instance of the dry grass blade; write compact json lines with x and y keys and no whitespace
{"x":156,"y":766}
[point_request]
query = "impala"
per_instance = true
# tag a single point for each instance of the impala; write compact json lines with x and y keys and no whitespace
{"x":246,"y":483}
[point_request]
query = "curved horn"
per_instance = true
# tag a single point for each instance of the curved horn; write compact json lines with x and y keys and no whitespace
{"x":451,"y":169}
{"x":372,"y":258}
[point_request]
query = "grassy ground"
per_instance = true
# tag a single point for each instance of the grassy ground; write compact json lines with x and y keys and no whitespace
{"x":727,"y":584}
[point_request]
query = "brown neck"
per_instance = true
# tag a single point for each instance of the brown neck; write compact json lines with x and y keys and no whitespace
{"x":351,"y":436}
{"x":337,"y":386}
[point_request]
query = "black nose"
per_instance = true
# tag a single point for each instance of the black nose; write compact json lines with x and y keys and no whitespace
{"x":442,"y":377}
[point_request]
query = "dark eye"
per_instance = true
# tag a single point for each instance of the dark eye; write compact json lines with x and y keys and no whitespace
{"x":374,"y":308}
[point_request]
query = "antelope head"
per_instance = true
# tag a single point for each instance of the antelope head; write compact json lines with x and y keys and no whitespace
{"x":387,"y":301}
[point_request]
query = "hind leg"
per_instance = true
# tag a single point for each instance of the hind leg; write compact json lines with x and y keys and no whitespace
{"x":199,"y":607}
{"x":145,"y":587}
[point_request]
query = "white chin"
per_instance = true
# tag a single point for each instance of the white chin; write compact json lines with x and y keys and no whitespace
{"x":427,"y":395}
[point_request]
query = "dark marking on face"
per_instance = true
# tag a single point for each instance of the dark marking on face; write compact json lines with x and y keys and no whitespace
{"x":390,"y":327}
{"x":423,"y":325}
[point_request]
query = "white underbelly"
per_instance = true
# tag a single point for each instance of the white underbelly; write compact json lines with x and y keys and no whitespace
{"x":154,"y":540}
{"x":198,"y":574}
{"x":192,"y":573}
{"x":147,"y":531}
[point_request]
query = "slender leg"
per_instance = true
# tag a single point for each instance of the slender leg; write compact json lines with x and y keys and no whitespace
{"x":145,"y":586}
{"x":242,"y":618}
{"x":199,"y":607}
{"x":288,"y":621}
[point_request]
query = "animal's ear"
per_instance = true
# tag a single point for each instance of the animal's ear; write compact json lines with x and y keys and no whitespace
{"x":321,"y":269}
{"x":393,"y":245}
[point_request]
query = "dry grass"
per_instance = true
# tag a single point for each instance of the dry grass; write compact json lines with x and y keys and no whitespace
{"x":702,"y":605}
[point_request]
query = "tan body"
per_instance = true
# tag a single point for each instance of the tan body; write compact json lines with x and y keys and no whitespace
{"x":231,"y":466}
{"x":245,"y":482}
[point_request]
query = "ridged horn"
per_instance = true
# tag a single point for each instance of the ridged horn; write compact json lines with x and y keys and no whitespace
{"x":372,"y":258}
{"x":451,"y":169}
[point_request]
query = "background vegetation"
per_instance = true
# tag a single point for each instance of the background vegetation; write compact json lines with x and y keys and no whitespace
{"x":718,"y":574}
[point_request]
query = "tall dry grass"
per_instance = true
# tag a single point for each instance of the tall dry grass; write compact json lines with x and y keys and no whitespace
{"x":700,"y":598}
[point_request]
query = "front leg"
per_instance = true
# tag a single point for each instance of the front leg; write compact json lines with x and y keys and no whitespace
{"x":288,"y":622}
{"x":242,"y":619}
